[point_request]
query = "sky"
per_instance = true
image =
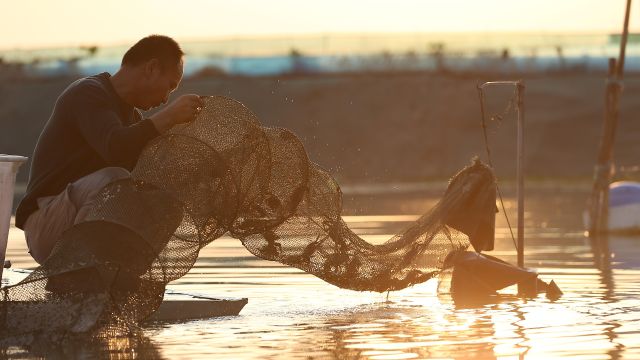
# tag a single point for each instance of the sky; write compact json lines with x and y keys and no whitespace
{"x":28,"y":24}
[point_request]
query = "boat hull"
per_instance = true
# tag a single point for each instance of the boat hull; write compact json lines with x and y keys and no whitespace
{"x":176,"y":305}
{"x":624,"y":207}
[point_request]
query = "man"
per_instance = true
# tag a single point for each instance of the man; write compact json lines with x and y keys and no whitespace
{"x":95,"y":135}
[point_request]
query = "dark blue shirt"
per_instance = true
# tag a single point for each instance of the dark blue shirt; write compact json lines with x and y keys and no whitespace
{"x":90,"y":128}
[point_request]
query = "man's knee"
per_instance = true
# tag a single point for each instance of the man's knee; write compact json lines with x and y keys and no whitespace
{"x":113,"y":173}
{"x":84,"y":189}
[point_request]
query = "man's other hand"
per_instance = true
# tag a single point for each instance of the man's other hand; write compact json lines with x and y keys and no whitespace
{"x":183,"y":109}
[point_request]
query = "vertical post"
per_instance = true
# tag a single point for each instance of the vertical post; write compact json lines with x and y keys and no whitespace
{"x":623,"y":42}
{"x":8,"y":168}
{"x":519,"y":90}
{"x":599,"y":211}
{"x":520,"y":171}
{"x":602,"y":173}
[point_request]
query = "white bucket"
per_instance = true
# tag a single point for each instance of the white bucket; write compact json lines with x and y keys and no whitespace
{"x":9,"y":165}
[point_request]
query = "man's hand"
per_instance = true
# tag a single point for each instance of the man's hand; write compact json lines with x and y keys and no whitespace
{"x":181,"y":110}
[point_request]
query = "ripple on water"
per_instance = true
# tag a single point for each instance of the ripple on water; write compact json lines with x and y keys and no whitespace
{"x":296,"y":316}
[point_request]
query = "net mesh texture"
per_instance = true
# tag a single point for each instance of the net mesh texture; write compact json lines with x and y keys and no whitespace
{"x":225,"y":173}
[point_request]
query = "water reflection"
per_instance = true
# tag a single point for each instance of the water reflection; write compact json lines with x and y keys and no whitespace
{"x":602,"y":262}
{"x":402,"y":333}
{"x":609,"y":252}
{"x":132,"y":347}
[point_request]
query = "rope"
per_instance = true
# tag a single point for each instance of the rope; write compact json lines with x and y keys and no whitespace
{"x":488,"y":150}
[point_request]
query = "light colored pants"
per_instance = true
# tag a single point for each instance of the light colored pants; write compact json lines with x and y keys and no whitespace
{"x":58,"y":213}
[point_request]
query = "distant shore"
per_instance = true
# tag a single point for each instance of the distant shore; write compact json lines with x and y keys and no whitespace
{"x":405,"y":127}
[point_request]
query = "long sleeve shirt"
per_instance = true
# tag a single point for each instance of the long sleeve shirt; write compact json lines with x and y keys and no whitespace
{"x":90,"y":128}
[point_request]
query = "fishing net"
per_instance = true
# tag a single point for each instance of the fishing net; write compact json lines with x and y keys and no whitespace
{"x":225,"y":173}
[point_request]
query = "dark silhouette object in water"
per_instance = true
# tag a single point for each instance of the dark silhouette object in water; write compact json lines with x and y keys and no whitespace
{"x":474,"y":277}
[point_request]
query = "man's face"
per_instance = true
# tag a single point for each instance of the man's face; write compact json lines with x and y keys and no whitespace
{"x":158,"y":83}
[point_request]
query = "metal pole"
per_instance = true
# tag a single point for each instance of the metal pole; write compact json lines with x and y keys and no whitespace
{"x":520,"y":172}
{"x":519,"y":85}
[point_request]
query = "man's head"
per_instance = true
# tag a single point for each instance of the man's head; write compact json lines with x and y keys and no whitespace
{"x":156,"y":62}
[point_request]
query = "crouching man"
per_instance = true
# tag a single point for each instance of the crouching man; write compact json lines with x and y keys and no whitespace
{"x":95,"y":136}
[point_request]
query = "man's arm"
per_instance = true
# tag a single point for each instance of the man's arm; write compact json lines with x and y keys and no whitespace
{"x":103,"y":130}
{"x":121,"y":145}
{"x":183,"y":109}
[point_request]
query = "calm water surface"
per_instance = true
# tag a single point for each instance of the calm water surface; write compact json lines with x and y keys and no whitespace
{"x":292,"y":315}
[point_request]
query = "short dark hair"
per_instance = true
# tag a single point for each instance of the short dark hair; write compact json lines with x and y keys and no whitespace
{"x":160,"y":47}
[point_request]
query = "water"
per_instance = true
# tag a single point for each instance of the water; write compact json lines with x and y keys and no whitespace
{"x":291,"y":315}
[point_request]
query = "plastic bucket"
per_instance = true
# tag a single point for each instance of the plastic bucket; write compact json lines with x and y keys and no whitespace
{"x":9,"y":165}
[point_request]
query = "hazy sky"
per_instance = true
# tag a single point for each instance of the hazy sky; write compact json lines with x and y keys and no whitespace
{"x":35,"y":23}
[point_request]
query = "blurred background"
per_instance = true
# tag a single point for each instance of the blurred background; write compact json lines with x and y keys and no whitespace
{"x":384,"y":96}
{"x":380,"y":92}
